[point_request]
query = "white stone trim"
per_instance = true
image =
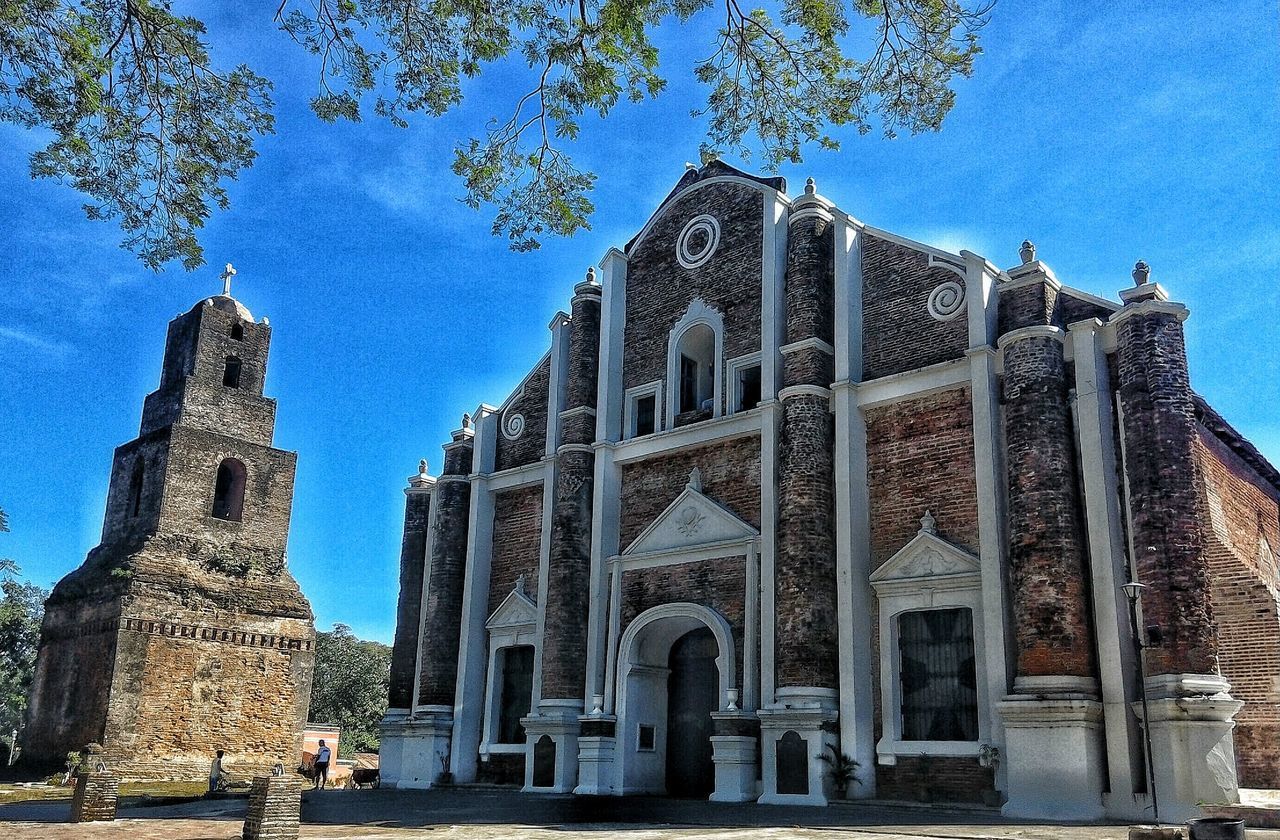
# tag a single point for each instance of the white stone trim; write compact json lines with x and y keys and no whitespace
{"x":927,"y":573}
{"x":1148,"y":307}
{"x":946,"y":301}
{"x":521,"y":476}
{"x":811,"y":343}
{"x":911,"y":384}
{"x":848,"y":301}
{"x":513,"y":624}
{"x":706,"y":223}
{"x":733,"y":367}
{"x":1030,"y":274}
{"x":677,"y":556}
{"x":1088,"y":298}
{"x":798,"y":213}
{"x":773,"y":325}
{"x":556,"y":386}
{"x":1034,"y":331}
{"x":513,"y":424}
{"x":469,"y":688}
{"x":632,"y":396}
{"x":693,"y":436}
{"x":804,"y":391}
{"x":575,"y":447}
{"x":698,"y":313}
{"x":549,"y":477}
{"x":613,"y":313}
{"x":587,"y":410}
{"x":946,"y":258}
{"x":1093,"y":419}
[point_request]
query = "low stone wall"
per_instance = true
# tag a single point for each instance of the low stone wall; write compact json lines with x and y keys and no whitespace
{"x":274,"y":803}
{"x":95,"y":797}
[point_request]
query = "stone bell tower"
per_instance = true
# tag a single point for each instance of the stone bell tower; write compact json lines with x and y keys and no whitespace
{"x":184,"y":632}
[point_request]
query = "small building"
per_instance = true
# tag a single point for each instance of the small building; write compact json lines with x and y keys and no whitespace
{"x":786,"y":484}
{"x":184,"y":632}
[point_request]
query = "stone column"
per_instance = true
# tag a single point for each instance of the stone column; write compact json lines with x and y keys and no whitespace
{"x":806,"y":640}
{"x":1191,"y":708}
{"x":426,"y":744}
{"x":95,"y":797}
{"x":1052,"y":719}
{"x":275,"y":803}
{"x":564,"y":656}
{"x":404,"y":652}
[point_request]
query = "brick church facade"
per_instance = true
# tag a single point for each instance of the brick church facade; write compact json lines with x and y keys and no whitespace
{"x":183,"y":632}
{"x":786,"y":484}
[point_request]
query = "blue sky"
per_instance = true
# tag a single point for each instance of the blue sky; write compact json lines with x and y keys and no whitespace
{"x":1145,"y":130}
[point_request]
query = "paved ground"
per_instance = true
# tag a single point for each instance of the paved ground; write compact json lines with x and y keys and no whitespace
{"x":498,"y":815}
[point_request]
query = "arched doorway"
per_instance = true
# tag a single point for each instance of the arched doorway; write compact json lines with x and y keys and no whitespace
{"x":675,"y":665}
{"x":692,"y":691}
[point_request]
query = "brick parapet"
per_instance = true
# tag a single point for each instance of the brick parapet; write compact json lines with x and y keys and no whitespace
{"x":442,"y":626}
{"x":413,"y":561}
{"x":1047,"y":560}
{"x":564,"y":658}
{"x":275,"y":803}
{"x":1159,"y":434}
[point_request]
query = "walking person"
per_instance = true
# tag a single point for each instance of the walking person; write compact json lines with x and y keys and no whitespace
{"x":322,"y":766}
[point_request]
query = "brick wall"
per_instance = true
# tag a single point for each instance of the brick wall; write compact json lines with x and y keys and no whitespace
{"x":934,"y":778}
{"x":920,"y":457}
{"x":517,"y":543}
{"x":1239,"y":510}
{"x":897,"y":331}
{"x":730,"y":475}
{"x":659,"y":289}
{"x":531,"y":444}
{"x":719,"y":584}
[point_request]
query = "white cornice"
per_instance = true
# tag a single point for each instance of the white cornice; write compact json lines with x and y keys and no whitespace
{"x":693,"y":436}
{"x":807,"y":344}
{"x":1150,"y":307}
{"x":1033,"y":331}
{"x":804,"y":391}
{"x":911,"y":384}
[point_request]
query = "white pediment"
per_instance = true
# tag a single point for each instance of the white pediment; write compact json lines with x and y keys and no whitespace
{"x":516,"y":610}
{"x":927,"y":555}
{"x":692,"y":520}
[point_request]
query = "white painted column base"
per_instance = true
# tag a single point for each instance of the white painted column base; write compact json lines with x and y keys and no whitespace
{"x":810,"y":713}
{"x":1192,"y":718}
{"x":557,"y":719}
{"x":415,"y":750}
{"x":1053,"y":757}
{"x":735,"y":761}
{"x":595,"y":760}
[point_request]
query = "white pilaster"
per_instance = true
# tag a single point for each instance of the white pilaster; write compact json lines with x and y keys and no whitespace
{"x":1116,"y":660}
{"x":980,"y":292}
{"x":468,"y":706}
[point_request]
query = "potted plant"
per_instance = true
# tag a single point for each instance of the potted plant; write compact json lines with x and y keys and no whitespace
{"x":841,"y":770}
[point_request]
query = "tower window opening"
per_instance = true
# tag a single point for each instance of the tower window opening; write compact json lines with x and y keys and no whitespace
{"x":231,"y":373}
{"x":749,"y":388}
{"x":237,"y":331}
{"x":135,"y":489}
{"x":697,"y":368}
{"x":228,"y":491}
{"x":646,"y":415}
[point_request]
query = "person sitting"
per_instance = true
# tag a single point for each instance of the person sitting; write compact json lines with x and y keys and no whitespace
{"x":322,"y":766}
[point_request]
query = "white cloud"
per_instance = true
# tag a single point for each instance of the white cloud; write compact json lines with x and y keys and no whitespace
{"x":43,"y":345}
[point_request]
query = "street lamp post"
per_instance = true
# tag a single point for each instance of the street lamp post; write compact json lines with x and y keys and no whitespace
{"x":1133,"y":591}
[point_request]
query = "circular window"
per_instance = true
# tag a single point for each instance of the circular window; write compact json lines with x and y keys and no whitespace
{"x":698,"y":241}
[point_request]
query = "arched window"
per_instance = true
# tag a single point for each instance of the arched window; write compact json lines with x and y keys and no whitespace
{"x":228,"y":490}
{"x":696,"y":353}
{"x":237,"y":331}
{"x":135,"y":489}
{"x":231,"y":374}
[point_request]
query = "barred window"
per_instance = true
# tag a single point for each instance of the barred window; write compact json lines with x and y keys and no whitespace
{"x":939,"y":681}
{"x":517,"y":692}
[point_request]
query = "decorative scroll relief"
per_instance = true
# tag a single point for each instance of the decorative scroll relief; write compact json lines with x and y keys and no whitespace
{"x":946,"y":301}
{"x":513,"y":421}
{"x":698,"y":241}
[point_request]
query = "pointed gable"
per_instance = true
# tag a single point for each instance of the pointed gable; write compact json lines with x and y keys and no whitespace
{"x":693,"y":519}
{"x":517,"y":610}
{"x":929,"y":560}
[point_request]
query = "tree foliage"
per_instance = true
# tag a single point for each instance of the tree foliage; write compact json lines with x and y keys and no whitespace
{"x":21,"y":611}
{"x":350,"y":687}
{"x":148,"y":129}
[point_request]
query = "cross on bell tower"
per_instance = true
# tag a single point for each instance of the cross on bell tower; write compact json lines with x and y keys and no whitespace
{"x":227,"y":274}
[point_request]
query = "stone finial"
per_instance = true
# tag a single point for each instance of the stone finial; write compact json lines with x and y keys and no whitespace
{"x":928,"y":525}
{"x":466,"y":421}
{"x":520,"y":585}
{"x":591,"y":274}
{"x":1027,"y":251}
{"x":422,"y":467}
{"x":695,"y":479}
{"x":810,"y":187}
{"x":597,"y":705}
{"x":227,"y":274}
{"x":1141,"y":273}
